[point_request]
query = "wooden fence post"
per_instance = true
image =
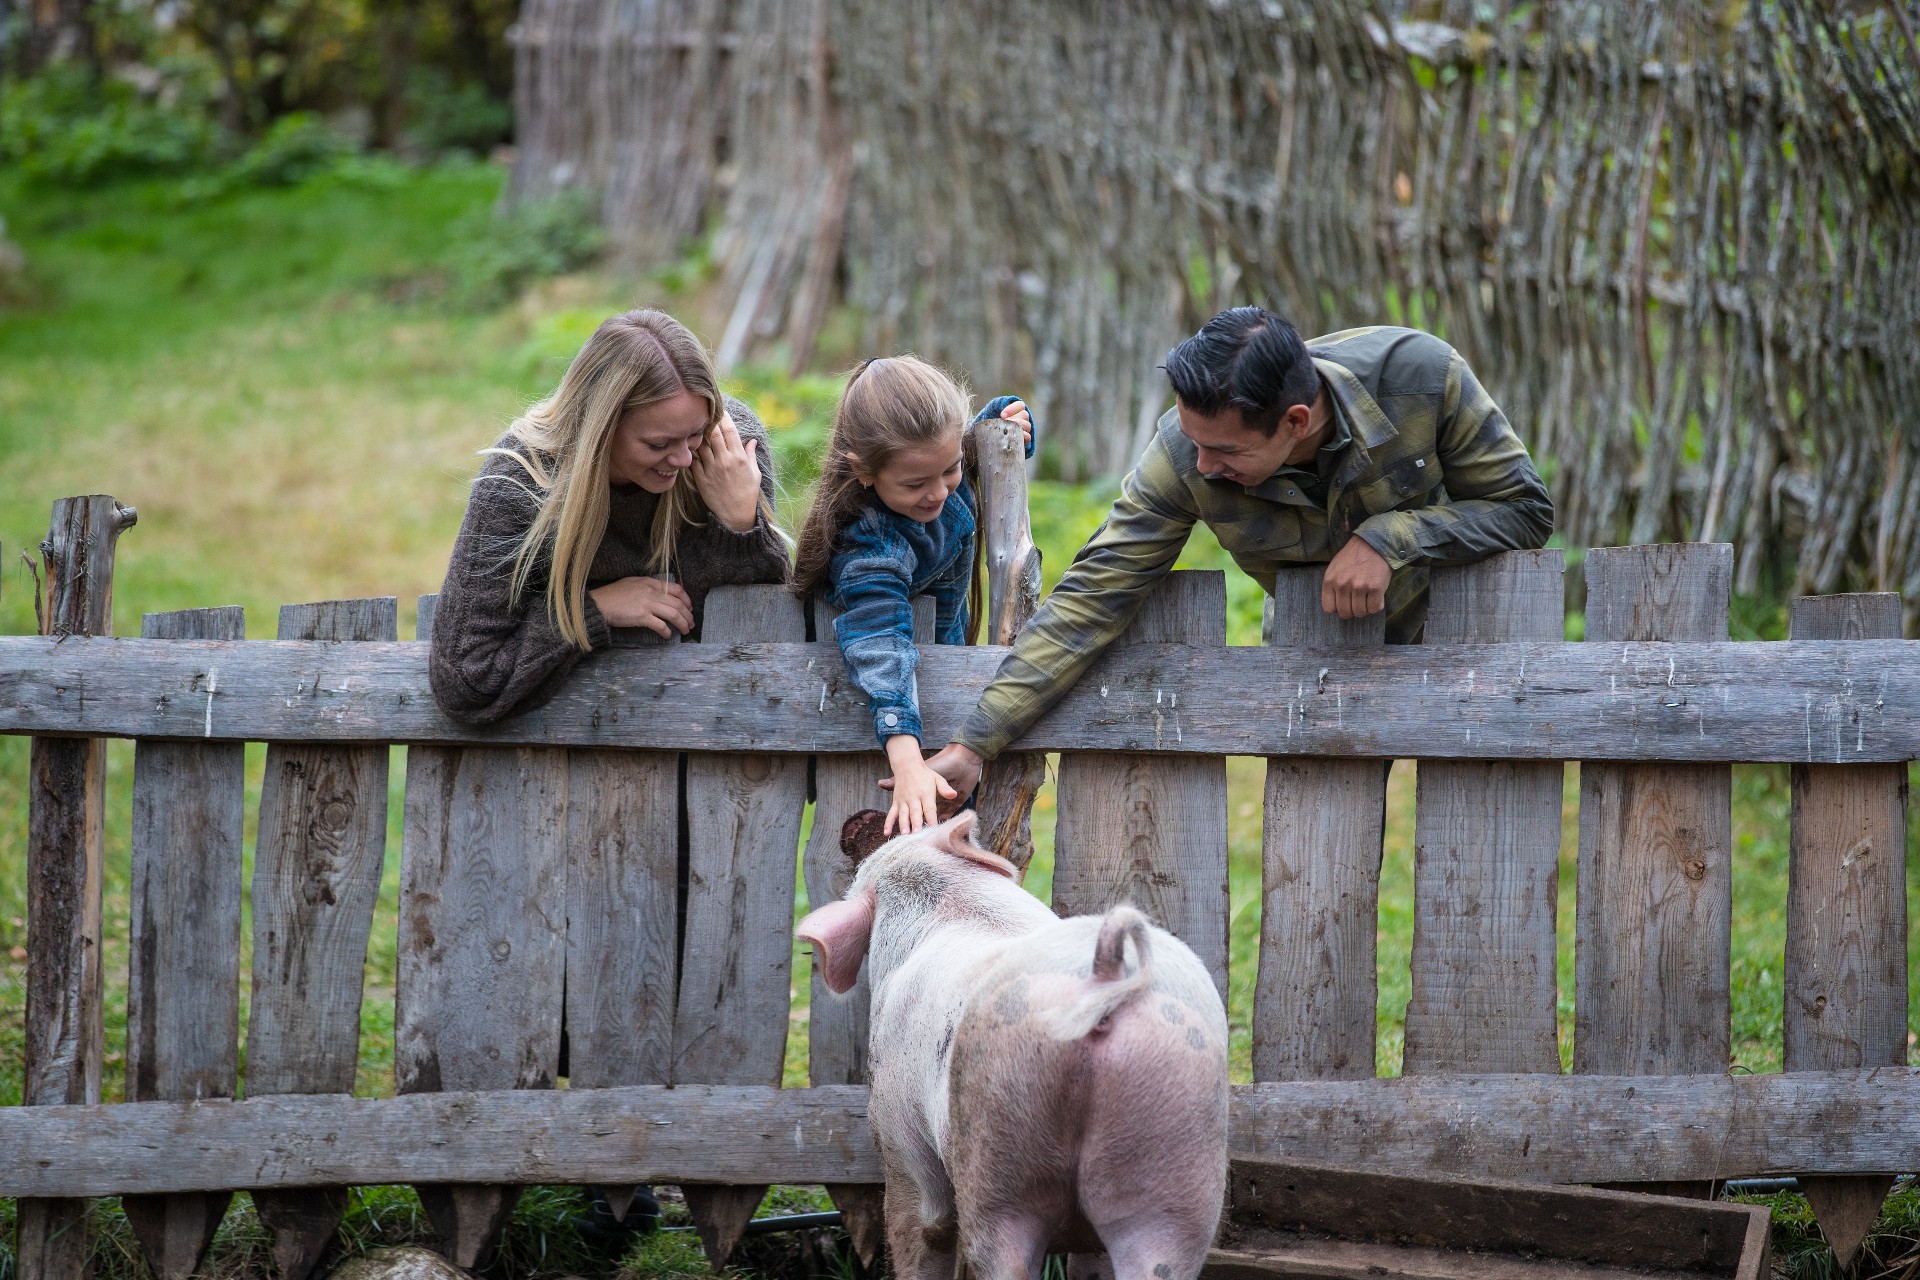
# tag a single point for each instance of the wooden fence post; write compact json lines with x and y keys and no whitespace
{"x":1152,"y":829}
{"x":65,"y":1032}
{"x":1013,"y":779}
{"x":1313,"y":1012}
{"x":183,"y":988}
{"x":1845,"y":987}
{"x":1487,"y":854}
{"x":482,"y":945}
{"x":843,"y":785}
{"x":316,"y":876}
{"x":1656,"y":843}
{"x":736,"y":957}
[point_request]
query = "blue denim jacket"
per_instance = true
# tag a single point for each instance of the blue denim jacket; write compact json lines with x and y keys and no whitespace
{"x":882,"y":561}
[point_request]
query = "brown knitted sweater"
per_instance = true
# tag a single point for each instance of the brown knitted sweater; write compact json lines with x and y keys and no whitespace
{"x":490,"y":659}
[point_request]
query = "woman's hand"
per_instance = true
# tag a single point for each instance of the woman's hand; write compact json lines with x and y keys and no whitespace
{"x":917,"y":790}
{"x":662,"y":607}
{"x":727,"y":474}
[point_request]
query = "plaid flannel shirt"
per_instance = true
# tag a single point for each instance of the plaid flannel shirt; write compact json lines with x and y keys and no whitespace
{"x":1434,"y":474}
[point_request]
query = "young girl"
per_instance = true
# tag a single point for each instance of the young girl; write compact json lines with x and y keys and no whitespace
{"x":894,"y":518}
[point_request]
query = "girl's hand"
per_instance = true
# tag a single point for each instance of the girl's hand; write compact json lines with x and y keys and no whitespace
{"x":917,"y":790}
{"x":1017,"y":412}
{"x":662,"y":607}
{"x":726,"y":471}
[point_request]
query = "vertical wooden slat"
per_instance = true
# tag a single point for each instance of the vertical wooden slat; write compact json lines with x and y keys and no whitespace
{"x":1846,"y":966}
{"x":1656,"y":840}
{"x":1314,"y":999}
{"x":843,"y":785}
{"x":183,"y":987}
{"x":743,"y":825}
{"x":482,"y":944}
{"x":623,"y":852}
{"x":1487,"y":854}
{"x":1152,"y":829}
{"x":1013,"y":779}
{"x":316,"y":875}
{"x":65,"y":1032}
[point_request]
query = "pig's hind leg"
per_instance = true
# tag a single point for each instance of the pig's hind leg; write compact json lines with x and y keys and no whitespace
{"x":922,"y":1230}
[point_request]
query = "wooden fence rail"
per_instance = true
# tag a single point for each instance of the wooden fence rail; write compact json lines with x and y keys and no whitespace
{"x":602,"y":892}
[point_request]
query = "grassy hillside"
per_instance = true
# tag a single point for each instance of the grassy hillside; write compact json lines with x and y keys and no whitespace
{"x":288,"y":386}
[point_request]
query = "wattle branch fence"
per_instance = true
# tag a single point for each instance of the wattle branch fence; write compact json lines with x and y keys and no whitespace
{"x":541,"y":900}
{"x":1680,"y":242}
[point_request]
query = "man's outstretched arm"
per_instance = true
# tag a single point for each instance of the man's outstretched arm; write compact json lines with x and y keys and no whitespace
{"x":1096,"y":600}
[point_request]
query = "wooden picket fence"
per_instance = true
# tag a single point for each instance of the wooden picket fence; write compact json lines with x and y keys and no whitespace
{"x":543,"y":901}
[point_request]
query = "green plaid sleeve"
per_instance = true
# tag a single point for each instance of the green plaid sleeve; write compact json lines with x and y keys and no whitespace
{"x":1496,"y":500}
{"x":1094,"y":603}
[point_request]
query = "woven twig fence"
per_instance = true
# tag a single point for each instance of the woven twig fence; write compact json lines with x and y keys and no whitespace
{"x":1679,"y":241}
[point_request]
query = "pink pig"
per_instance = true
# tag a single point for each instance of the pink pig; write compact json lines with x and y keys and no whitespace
{"x":1039,"y":1084}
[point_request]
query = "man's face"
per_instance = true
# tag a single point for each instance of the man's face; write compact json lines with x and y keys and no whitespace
{"x":1230,"y":450}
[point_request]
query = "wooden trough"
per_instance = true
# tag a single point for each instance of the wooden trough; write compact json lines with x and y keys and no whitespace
{"x":1314,"y":1221}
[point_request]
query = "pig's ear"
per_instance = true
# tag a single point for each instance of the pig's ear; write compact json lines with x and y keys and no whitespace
{"x":956,"y":837}
{"x":861,"y":834}
{"x":839,"y":933}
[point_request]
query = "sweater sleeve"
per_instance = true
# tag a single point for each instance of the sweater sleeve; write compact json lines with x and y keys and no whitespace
{"x":489,"y":658}
{"x":712,"y":555}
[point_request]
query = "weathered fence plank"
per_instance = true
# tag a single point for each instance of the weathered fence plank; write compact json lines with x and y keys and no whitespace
{"x":1013,"y":779}
{"x":1527,"y":1127}
{"x":1487,"y":855}
{"x":482,"y":944}
{"x":843,"y":785}
{"x":1846,"y":702}
{"x":1652,"y":971}
{"x":65,"y":1030}
{"x":1845,"y":987}
{"x":183,"y":984}
{"x":316,"y":875}
{"x":736,"y":958}
{"x":1313,"y":1009}
{"x":1150,"y":829}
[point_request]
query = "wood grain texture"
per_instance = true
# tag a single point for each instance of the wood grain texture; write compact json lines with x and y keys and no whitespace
{"x":1012,"y":780}
{"x":1534,"y":1128}
{"x":1487,"y":854}
{"x":1656,"y":887}
{"x":743,"y":834}
{"x":1845,"y":988}
{"x":316,"y":874}
{"x":1152,"y":830}
{"x":183,"y":986}
{"x":1313,"y":1012}
{"x":1795,"y":702}
{"x":64,"y":1024}
{"x":482,"y":946}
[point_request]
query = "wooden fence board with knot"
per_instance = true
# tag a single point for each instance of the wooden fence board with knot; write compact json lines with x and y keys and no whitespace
{"x":543,"y":907}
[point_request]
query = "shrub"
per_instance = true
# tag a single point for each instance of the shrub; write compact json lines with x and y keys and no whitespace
{"x":63,"y":127}
{"x":294,"y":148}
{"x":530,"y":241}
{"x":443,"y":116}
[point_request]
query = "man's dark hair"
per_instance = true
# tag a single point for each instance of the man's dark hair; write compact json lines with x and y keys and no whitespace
{"x":1247,"y":359}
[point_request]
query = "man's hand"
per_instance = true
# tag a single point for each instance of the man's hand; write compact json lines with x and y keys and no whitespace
{"x":1356,"y":581}
{"x":960,"y":766}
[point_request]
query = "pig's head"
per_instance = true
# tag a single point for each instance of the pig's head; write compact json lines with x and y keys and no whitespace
{"x":912,"y":880}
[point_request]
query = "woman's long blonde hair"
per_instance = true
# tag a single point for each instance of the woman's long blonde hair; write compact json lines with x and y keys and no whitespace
{"x":891,"y":404}
{"x":633,"y":359}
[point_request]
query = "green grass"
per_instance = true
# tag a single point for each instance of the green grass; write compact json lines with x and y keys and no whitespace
{"x":278,"y":381}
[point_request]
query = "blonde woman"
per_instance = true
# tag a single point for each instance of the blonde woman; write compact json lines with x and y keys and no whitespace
{"x":605,"y":513}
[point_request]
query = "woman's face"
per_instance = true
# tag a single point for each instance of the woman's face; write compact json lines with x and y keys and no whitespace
{"x":654,"y":443}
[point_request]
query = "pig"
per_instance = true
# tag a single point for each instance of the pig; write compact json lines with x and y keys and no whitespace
{"x":1038,"y":1084}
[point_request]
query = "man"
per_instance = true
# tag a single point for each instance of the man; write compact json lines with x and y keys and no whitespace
{"x":1373,"y":450}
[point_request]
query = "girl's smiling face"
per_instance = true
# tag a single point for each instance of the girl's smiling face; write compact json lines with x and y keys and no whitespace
{"x":654,"y":443}
{"x":916,"y":482}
